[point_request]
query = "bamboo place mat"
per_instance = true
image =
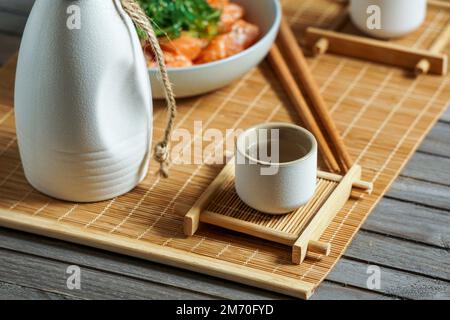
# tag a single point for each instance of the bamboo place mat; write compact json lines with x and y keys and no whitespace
{"x":382,"y":113}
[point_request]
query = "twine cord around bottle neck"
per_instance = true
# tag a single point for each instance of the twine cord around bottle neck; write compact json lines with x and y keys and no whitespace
{"x":140,"y":19}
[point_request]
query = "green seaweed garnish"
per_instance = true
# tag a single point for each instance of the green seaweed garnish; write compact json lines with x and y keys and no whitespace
{"x":172,"y":17}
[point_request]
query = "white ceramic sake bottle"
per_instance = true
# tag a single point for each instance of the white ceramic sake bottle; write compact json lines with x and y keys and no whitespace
{"x":82,"y":101}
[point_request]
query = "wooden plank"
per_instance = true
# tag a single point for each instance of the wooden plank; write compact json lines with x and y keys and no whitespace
{"x":376,"y":50}
{"x":437,"y":141}
{"x":102,"y":260}
{"x":50,"y":275}
{"x":401,"y":254}
{"x":446,"y":116}
{"x":9,"y":46}
{"x":410,"y":221}
{"x":153,"y":252}
{"x":114,"y":264}
{"x":10,"y":291}
{"x":333,"y":291}
{"x":101,"y":291}
{"x":421,"y":192}
{"x":392,"y":282}
{"x":428,"y":167}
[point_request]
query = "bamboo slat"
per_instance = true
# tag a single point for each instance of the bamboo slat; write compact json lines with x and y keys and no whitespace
{"x":382,"y":115}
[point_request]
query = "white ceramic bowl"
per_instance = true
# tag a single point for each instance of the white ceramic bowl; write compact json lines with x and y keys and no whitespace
{"x":199,"y":79}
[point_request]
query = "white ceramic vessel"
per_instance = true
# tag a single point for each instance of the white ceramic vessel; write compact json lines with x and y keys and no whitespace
{"x":283,"y":183}
{"x":195,"y":80}
{"x":82,"y":101}
{"x":398,"y":17}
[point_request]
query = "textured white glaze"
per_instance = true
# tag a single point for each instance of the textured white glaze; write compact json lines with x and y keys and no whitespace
{"x":83,"y":102}
{"x":291,"y":187}
{"x":398,"y":17}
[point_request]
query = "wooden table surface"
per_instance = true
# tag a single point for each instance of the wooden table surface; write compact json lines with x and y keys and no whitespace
{"x":407,"y":237}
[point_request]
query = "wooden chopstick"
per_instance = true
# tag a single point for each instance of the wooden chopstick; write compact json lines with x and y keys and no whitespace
{"x":299,"y":64}
{"x":281,"y":68}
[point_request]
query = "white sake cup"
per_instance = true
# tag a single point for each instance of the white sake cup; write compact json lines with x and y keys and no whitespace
{"x":398,"y":17}
{"x":286,"y":181}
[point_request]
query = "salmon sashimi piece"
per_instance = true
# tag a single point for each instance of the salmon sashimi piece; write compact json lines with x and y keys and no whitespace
{"x":231,"y":13}
{"x":172,"y":60}
{"x":175,"y":51}
{"x":176,"y":60}
{"x":185,"y":45}
{"x":244,"y":33}
{"x":242,"y":36}
{"x":220,"y":48}
{"x":218,"y":4}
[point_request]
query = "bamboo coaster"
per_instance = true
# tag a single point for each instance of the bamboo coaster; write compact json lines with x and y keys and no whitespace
{"x":220,"y":205}
{"x":419,"y":61}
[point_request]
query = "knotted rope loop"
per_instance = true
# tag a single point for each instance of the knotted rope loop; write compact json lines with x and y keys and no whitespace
{"x":140,"y":19}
